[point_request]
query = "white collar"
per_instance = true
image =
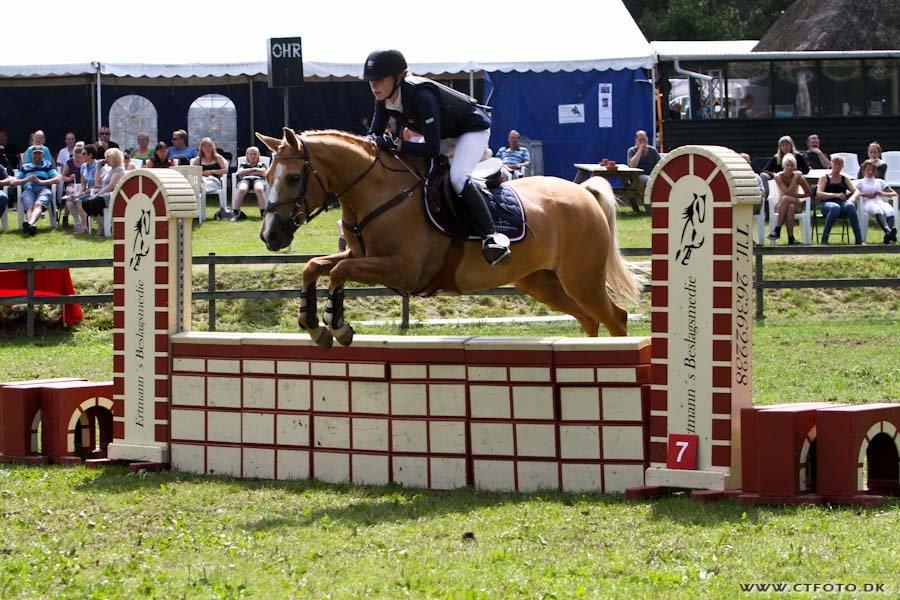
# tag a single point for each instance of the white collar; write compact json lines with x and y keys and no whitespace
{"x":396,"y":105}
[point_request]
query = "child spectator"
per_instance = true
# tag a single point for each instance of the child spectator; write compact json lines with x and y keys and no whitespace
{"x":873,"y":191}
{"x":874,"y":153}
{"x":251,"y":174}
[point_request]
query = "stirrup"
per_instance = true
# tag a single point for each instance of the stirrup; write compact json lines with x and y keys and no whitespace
{"x":495,"y":248}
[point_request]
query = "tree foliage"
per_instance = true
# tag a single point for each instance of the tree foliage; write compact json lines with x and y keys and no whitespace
{"x":705,"y":19}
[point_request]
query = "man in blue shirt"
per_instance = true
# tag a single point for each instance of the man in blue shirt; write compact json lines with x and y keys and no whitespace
{"x":515,"y":157}
{"x":180,"y":152}
{"x":36,"y":180}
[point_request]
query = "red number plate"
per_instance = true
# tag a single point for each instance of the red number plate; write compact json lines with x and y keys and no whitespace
{"x":682,"y":452}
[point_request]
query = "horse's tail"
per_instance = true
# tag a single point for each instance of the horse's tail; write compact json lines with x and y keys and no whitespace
{"x":619,"y":277}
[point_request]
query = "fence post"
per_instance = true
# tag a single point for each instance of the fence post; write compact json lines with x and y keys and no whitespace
{"x":759,"y":291}
{"x":29,"y":287}
{"x":211,"y":287}
{"x":404,"y":322}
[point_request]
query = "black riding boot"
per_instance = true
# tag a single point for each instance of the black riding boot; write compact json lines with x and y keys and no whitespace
{"x":494,"y":246}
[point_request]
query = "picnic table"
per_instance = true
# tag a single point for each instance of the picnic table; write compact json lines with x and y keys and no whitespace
{"x":47,"y":282}
{"x":629,"y":179}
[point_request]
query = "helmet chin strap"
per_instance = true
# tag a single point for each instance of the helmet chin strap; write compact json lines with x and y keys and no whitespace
{"x":397,"y":80}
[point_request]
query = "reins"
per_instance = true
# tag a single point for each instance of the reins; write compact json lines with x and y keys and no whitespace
{"x":301,"y":204}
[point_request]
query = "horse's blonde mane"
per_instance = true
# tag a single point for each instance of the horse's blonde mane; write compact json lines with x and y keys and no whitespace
{"x":345,"y":136}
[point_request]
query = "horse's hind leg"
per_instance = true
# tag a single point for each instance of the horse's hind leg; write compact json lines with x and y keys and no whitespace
{"x":585,"y":282}
{"x":544,"y":287}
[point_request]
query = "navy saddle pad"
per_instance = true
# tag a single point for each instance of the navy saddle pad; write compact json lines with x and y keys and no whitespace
{"x":448,"y":216}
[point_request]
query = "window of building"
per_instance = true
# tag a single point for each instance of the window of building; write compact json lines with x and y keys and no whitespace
{"x":748,"y":87}
{"x":129,"y":116}
{"x":794,"y":89}
{"x":213,"y":116}
{"x":882,"y":87}
{"x":841,"y":89}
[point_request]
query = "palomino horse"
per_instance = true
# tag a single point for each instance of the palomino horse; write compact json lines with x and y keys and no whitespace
{"x":567,"y":259}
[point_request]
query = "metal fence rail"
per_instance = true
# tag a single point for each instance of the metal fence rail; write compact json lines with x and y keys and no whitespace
{"x":212,"y":295}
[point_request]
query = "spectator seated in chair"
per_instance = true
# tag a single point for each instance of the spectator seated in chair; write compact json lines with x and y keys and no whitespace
{"x":815,"y":157}
{"x":251,"y":175}
{"x":872,"y":192}
{"x":143,"y":151}
{"x":642,"y":156}
{"x":834,"y":191}
{"x":180,"y":153}
{"x":37,"y":179}
{"x":103,"y":136}
{"x":160,"y":157}
{"x":793,"y":187}
{"x":874,"y":154}
{"x":99,"y":201}
{"x":515,"y":157}
{"x":785,"y":146}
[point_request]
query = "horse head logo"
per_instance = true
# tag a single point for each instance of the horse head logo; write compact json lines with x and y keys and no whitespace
{"x":694,"y":213}
{"x":141,"y":246}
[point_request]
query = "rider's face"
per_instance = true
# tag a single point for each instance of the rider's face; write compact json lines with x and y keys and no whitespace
{"x":382,"y":88}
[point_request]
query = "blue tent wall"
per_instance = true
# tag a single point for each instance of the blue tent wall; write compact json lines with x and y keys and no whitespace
{"x":528,"y":103}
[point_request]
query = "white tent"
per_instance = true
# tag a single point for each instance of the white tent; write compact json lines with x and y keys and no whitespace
{"x":190,"y":39}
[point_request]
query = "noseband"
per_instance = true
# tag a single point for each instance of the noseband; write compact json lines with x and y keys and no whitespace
{"x":301,"y":213}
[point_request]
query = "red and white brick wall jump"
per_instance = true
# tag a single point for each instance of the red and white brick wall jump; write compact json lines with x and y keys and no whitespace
{"x":441,"y":413}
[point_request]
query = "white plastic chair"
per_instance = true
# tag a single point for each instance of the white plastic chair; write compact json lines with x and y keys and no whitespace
{"x":892,"y":160}
{"x":804,"y":217}
{"x":861,"y":214}
{"x":4,"y":218}
{"x":851,"y":162}
{"x":137,"y":162}
{"x":193,"y":173}
{"x":223,"y":205}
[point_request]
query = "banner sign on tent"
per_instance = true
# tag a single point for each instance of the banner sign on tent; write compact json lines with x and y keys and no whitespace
{"x":285,"y":62}
{"x":571,"y":113}
{"x":605,"y":105}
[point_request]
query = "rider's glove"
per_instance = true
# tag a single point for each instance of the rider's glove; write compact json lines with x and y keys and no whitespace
{"x":386,"y":142}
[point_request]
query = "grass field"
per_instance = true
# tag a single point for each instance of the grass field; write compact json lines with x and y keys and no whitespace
{"x":78,"y":533}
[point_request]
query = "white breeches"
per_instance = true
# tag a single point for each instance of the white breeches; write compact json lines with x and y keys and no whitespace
{"x":468,"y":153}
{"x":877,"y":206}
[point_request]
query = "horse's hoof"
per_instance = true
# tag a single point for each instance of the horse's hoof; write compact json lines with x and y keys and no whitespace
{"x":344,"y":334}
{"x":322,"y":336}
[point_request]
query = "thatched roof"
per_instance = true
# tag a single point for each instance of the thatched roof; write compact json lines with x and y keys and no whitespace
{"x":836,"y":25}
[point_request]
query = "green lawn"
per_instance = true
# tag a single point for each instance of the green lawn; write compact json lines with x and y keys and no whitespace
{"x":77,"y":533}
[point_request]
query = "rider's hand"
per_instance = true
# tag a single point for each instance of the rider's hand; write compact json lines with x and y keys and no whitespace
{"x":386,"y":142}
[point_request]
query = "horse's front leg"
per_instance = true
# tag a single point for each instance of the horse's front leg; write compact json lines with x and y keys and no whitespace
{"x":307,"y":318}
{"x":372,"y":270}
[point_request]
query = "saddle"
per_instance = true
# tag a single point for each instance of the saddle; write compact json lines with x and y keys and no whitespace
{"x":445,"y":214}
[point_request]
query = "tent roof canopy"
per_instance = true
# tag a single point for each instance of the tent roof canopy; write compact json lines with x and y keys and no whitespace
{"x":578,"y":35}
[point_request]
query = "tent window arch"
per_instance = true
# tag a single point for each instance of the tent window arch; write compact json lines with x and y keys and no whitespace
{"x":213,"y":116}
{"x":129,"y":116}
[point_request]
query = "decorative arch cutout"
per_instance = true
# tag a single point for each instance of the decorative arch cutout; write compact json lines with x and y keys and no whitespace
{"x":129,"y":116}
{"x":878,"y":466}
{"x":213,"y":116}
{"x":91,"y":419}
{"x":807,"y":469}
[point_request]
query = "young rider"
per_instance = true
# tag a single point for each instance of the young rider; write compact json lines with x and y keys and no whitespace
{"x":438,"y":113}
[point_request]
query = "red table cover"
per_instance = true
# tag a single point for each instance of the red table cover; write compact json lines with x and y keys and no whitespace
{"x":47,"y":282}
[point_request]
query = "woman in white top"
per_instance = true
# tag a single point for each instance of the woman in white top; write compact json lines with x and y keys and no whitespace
{"x":873,"y":192}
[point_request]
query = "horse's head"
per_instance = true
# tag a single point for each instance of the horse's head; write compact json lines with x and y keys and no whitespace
{"x":295,"y":190}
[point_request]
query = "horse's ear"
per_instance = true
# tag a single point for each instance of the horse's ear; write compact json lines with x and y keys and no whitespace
{"x":270,"y":142}
{"x":290,"y":137}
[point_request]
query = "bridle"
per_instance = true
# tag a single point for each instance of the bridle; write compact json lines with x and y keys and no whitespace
{"x":301,"y":213}
{"x":300,"y":202}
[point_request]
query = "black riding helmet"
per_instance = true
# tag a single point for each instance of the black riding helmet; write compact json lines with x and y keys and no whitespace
{"x":384,"y":63}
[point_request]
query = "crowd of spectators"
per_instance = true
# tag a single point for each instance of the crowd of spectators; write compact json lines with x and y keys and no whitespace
{"x":87,"y":173}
